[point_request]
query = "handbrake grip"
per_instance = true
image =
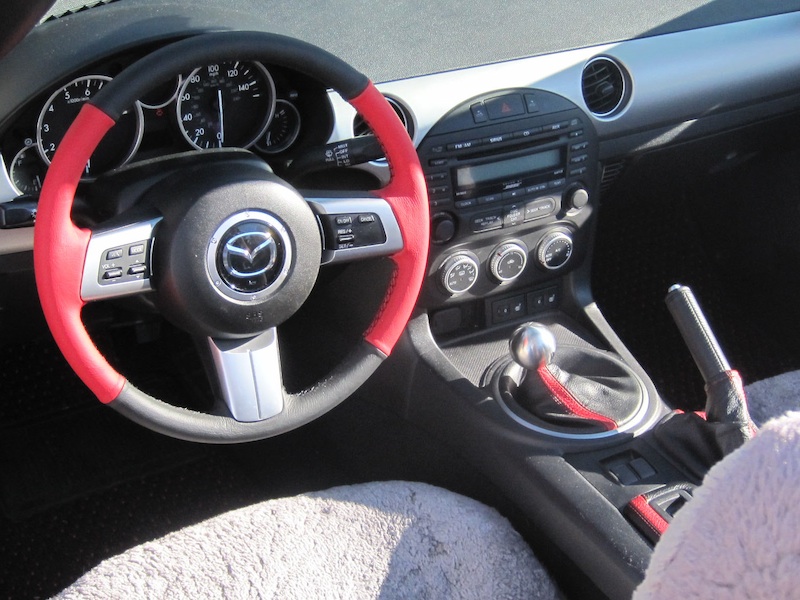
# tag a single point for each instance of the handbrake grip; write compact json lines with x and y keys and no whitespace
{"x":696,"y":332}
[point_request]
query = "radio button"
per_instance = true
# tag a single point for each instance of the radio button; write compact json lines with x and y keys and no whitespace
{"x":505,"y":106}
{"x":489,"y":199}
{"x":513,"y":214}
{"x":576,"y":172}
{"x":556,"y":126}
{"x":437,"y":162}
{"x":486,"y":222}
{"x":579,"y":146}
{"x":466,"y":144}
{"x":440,"y":189}
{"x":466,"y":203}
{"x":527,"y":132}
{"x":440,"y":203}
{"x":578,"y":159}
{"x":533,"y":189}
{"x":436,"y":177}
{"x":576,"y":133}
{"x":538,"y":209}
{"x":556,"y":183}
{"x":498,"y":139}
{"x":479,"y":114}
{"x":515,"y":193}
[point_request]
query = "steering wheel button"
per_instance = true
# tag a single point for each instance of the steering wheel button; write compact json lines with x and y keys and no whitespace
{"x":112,"y":274}
{"x":137,"y":270}
{"x":114,"y":254}
{"x":344,"y":220}
{"x":136,"y":249}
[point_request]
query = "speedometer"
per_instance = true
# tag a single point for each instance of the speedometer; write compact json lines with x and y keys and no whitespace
{"x":226,"y":104}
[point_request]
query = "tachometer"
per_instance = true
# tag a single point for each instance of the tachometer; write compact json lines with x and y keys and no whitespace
{"x":117,"y":147}
{"x":226,"y":104}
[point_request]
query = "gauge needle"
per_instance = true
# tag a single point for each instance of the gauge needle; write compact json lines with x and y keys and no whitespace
{"x":221,"y":122}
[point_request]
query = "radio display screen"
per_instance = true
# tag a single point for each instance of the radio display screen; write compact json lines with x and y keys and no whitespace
{"x":474,"y":176}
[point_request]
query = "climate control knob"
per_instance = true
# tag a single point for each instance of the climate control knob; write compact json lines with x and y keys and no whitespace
{"x":458,"y":273}
{"x":554,"y":250}
{"x":508,"y":261}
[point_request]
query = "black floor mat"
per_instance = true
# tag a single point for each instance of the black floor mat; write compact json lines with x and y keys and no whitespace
{"x":38,"y":459}
{"x":703,"y":234}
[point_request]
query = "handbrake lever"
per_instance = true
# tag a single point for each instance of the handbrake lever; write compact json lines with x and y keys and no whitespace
{"x":726,"y":403}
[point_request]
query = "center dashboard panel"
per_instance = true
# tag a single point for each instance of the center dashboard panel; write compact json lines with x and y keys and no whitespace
{"x":512,"y":181}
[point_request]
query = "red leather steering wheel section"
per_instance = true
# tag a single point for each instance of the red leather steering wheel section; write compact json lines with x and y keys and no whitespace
{"x":59,"y":252}
{"x":406,"y":195}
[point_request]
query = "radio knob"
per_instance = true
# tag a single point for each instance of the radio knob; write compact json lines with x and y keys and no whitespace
{"x":554,"y":250}
{"x":458,"y":273}
{"x":577,"y":198}
{"x":508,"y":261}
{"x":443,"y":228}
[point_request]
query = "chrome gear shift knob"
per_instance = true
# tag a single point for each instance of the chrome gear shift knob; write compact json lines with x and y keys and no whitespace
{"x":532,"y":345}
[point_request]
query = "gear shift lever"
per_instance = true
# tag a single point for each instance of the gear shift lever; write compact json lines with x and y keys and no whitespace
{"x":532,"y":345}
{"x":575,"y":388}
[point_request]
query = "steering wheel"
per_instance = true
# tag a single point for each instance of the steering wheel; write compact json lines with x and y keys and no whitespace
{"x":228,"y":250}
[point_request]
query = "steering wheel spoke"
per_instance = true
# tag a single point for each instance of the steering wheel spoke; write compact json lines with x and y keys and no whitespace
{"x":118,"y":260}
{"x":249,"y":375}
{"x":356,"y":227}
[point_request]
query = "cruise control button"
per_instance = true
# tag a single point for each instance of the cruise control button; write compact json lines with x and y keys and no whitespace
{"x":344,"y":220}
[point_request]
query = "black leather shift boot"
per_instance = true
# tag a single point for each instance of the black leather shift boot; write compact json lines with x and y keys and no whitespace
{"x":582,"y":389}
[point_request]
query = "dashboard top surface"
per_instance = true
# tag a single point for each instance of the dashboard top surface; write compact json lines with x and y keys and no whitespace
{"x":396,"y":40}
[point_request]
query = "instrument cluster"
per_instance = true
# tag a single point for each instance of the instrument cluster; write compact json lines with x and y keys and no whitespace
{"x":244,"y":104}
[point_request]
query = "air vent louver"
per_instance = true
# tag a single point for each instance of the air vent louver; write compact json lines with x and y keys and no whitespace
{"x":603,"y":85}
{"x":360,"y":127}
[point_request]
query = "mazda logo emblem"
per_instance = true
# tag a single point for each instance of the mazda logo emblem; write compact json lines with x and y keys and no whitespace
{"x":251,"y":255}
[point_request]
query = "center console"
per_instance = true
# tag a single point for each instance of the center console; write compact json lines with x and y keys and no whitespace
{"x":557,"y":413}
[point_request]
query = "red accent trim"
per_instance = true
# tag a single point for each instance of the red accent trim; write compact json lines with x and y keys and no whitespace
{"x":408,"y":197}
{"x":59,"y":252}
{"x":648,"y":514}
{"x":568,"y":401}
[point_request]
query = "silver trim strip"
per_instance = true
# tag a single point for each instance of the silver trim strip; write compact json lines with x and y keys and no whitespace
{"x":249,"y":373}
{"x":91,"y":289}
{"x":379,"y":206}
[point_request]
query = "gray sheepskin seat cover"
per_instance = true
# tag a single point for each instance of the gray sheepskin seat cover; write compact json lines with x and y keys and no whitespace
{"x":375,"y":540}
{"x":740,"y":536}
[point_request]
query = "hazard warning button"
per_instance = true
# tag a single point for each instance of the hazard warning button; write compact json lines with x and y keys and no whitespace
{"x":501,"y":107}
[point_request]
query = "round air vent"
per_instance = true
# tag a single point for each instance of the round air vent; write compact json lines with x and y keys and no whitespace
{"x":604,"y":86}
{"x":361,"y":128}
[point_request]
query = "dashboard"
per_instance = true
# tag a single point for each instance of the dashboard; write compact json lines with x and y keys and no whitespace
{"x":516,"y":147}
